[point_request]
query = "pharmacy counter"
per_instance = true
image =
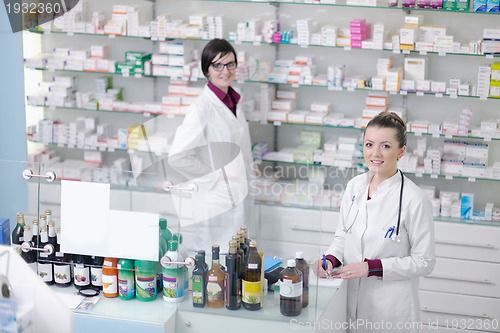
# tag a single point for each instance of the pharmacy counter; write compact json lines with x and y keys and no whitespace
{"x":325,"y":311}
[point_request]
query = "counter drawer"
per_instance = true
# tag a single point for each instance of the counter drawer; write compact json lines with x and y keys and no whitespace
{"x":463,"y":277}
{"x":297,"y":225}
{"x":452,"y":310}
{"x":466,"y":241}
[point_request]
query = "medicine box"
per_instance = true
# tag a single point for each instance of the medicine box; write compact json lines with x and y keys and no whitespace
{"x":4,"y":231}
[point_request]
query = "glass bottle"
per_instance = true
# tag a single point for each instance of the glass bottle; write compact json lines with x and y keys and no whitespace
{"x":42,"y":222}
{"x":52,"y":233}
{"x":81,"y":271}
{"x":243,"y":245}
{"x":245,"y":234}
{"x":251,"y":287}
{"x":215,"y":281}
{"x":45,"y":265}
{"x":29,"y":255}
{"x":18,"y":232}
{"x":62,"y":266}
{"x":239,"y":251}
{"x":96,"y":272}
{"x":290,"y":290}
{"x":198,"y":278}
{"x":36,"y":232}
{"x":110,"y":277}
{"x":303,"y":267}
{"x":126,"y":279}
{"x":205,"y":265}
{"x":233,"y":282}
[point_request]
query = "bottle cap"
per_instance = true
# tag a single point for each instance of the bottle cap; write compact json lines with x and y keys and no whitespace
{"x":172,"y":245}
{"x":163,"y":223}
{"x":253,"y":243}
{"x":290,"y":262}
{"x":35,"y":222}
{"x":299,"y":255}
{"x":178,"y":237}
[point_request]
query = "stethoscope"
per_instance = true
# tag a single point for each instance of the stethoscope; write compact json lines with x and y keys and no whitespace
{"x":394,"y":237}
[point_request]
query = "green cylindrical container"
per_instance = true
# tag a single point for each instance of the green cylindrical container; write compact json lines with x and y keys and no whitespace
{"x":164,"y":232}
{"x":126,"y":279}
{"x":145,"y":280}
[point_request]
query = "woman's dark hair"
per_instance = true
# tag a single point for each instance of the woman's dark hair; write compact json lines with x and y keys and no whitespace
{"x":212,"y":49}
{"x":387,"y":119}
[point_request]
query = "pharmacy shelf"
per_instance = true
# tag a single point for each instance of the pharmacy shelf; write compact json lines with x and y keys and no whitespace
{"x":145,"y":114}
{"x":447,"y":136}
{"x":361,"y":168}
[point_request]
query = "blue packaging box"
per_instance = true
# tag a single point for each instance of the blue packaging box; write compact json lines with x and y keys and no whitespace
{"x":4,"y":231}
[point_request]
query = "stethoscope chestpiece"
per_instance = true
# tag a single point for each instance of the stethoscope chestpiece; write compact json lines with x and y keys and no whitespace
{"x":396,"y":238}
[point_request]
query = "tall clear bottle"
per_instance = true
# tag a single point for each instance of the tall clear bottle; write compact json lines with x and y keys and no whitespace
{"x":45,"y":261}
{"x":199,"y":278}
{"x":62,"y":265}
{"x":303,"y":267}
{"x":18,"y":232}
{"x":215,"y":281}
{"x":233,"y":282}
{"x":252,"y":284}
{"x":290,"y":290}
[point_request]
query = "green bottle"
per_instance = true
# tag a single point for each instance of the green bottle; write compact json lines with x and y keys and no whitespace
{"x":164,"y":232}
{"x":126,"y":279}
{"x":145,"y":280}
{"x":185,"y":271}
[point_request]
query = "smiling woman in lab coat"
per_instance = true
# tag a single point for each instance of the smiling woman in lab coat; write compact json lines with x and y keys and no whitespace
{"x":382,"y":264}
{"x":212,"y":149}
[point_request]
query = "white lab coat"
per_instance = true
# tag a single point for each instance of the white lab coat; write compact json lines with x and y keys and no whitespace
{"x":212,"y":149}
{"x":394,"y":298}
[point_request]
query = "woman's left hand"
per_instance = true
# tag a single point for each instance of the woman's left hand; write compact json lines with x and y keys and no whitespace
{"x":352,"y":271}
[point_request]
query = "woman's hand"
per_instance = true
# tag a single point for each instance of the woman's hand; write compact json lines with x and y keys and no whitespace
{"x":320,"y":271}
{"x":352,"y":271}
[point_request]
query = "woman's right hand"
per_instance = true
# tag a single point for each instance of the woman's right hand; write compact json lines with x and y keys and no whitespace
{"x":320,"y":271}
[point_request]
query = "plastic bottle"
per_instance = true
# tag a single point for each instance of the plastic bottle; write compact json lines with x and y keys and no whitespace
{"x":303,"y":267}
{"x":173,"y":274}
{"x":290,"y":290}
{"x":186,"y":271}
{"x":164,"y":232}
{"x":145,"y":280}
{"x":110,"y":277}
{"x":126,"y":279}
{"x":199,"y":278}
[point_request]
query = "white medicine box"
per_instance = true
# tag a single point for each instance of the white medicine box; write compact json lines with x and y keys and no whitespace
{"x":415,"y":68}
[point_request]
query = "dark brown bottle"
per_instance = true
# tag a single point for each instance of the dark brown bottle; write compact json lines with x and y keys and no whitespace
{"x":18,"y":232}
{"x":290,"y":290}
{"x":251,"y":288}
{"x":233,"y":282}
{"x":45,"y":260}
{"x":303,"y":267}
{"x":62,"y":265}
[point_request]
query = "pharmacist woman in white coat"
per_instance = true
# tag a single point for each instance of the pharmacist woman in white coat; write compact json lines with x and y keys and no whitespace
{"x":212,"y":149}
{"x":380,"y":257}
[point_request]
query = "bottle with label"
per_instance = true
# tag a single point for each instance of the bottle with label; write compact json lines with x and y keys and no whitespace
{"x":110,"y":277}
{"x":290,"y":290}
{"x":62,"y":265}
{"x":251,"y":287}
{"x":81,"y":271}
{"x":36,"y":233}
{"x":215,"y":281}
{"x":233,"y":282}
{"x":182,"y":252}
{"x":96,"y":272}
{"x":205,"y":265}
{"x":52,"y":233}
{"x":303,"y":267}
{"x":198,"y":278}
{"x":45,"y":266}
{"x":126,"y":279}
{"x":18,"y":232}
{"x":29,"y":255}
{"x":145,"y":280}
{"x":173,"y":274}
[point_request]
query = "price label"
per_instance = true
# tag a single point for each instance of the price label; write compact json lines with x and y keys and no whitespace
{"x":111,"y":149}
{"x":125,"y":73}
{"x":423,"y":52}
{"x":146,"y":114}
{"x":102,"y":148}
{"x":60,"y":145}
{"x":434,"y":176}
{"x":406,"y":51}
{"x":185,"y":78}
{"x":393,"y":92}
{"x":193,"y":79}
{"x":439,"y":95}
{"x":442,"y":53}
{"x":403,"y":92}
{"x":112,"y":36}
{"x":454,"y":96}
{"x":420,"y":93}
{"x":137,"y":76}
{"x":448,"y":136}
{"x":304,"y":46}
{"x":154,"y":38}
{"x":472,"y":179}
{"x":70,"y":33}
{"x":487,"y":138}
{"x":277,"y":123}
{"x":338,"y":88}
{"x":436,"y":135}
{"x":256,"y":43}
{"x":92,"y":148}
{"x":295,"y":85}
{"x":489,"y":56}
{"x":331,"y":88}
{"x":347,"y":48}
{"x":418,"y":133}
{"x":350,"y":89}
{"x":263,"y":122}
{"x":483,"y":98}
{"x":395,"y":51}
{"x":162,"y":39}
{"x":418,"y":175}
{"x":448,"y":177}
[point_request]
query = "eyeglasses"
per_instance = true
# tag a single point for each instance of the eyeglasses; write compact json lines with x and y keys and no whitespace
{"x":219,"y":67}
